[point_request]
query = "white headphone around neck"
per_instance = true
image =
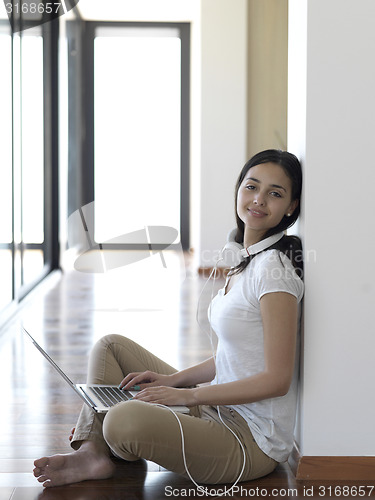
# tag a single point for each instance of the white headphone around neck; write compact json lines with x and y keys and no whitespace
{"x":237,"y":248}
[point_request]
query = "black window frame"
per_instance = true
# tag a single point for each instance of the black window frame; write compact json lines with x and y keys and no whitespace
{"x":50,"y":245}
{"x":84,"y":36}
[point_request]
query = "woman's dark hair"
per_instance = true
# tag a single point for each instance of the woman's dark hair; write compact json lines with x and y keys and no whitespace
{"x":290,"y":245}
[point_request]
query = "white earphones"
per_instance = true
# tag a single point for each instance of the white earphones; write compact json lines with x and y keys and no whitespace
{"x":237,"y":248}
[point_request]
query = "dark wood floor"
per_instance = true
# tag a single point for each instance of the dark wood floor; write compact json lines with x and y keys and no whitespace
{"x":152,"y":304}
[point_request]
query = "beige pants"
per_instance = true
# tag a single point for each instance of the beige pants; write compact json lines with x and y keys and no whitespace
{"x":134,"y":429}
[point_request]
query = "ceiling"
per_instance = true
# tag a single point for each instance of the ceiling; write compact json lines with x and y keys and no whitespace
{"x":138,"y":10}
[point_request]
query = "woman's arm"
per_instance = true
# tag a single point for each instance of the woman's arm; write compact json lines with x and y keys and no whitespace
{"x":197,"y":374}
{"x":279,"y":315}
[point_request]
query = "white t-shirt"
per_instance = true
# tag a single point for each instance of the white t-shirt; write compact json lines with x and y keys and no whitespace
{"x":236,"y":319}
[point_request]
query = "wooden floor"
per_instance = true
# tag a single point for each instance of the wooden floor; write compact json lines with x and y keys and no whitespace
{"x":153,"y":302}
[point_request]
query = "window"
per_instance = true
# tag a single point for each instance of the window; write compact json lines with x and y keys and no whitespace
{"x":139,"y":128}
{"x":32,"y":156}
{"x":26,"y":157}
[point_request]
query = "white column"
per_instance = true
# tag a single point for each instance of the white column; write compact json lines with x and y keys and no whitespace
{"x":332,"y":128}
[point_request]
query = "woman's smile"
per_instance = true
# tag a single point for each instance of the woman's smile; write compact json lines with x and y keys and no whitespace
{"x":256,"y":213}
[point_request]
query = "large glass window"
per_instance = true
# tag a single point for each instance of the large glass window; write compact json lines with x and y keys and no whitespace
{"x":26,"y":170}
{"x":136,"y":154}
{"x":32,"y":177}
{"x":137,"y":86}
{"x":32,"y":139}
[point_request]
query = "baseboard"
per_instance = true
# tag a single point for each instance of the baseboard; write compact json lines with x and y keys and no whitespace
{"x":294,"y":459}
{"x":332,"y":467}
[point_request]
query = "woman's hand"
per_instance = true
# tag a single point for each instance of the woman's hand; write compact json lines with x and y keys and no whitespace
{"x":168,"y":396}
{"x":141,"y":380}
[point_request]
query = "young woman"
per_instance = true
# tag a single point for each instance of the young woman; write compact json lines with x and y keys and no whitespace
{"x":253,"y":374}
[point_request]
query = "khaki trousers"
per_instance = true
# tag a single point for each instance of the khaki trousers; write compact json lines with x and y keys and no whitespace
{"x":134,"y":429}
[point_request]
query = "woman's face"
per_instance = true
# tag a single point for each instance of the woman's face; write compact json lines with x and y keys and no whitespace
{"x":263,"y":198}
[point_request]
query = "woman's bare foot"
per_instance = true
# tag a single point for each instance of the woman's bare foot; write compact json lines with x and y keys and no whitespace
{"x":88,"y":462}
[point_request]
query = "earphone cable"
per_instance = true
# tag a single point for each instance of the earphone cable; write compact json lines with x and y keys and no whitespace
{"x":210,"y":335}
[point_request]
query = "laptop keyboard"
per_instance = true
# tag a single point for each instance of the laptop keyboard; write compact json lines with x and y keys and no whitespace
{"x":109,"y":396}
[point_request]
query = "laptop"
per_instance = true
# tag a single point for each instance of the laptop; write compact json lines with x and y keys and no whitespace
{"x":99,"y":398}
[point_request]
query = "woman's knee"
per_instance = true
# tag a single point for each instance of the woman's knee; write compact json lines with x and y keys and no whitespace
{"x":108,"y":340}
{"x":128,"y":419}
{"x":105,"y":363}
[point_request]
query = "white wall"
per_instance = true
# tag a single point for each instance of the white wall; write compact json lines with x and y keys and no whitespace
{"x":223,"y":119}
{"x":332,"y":128}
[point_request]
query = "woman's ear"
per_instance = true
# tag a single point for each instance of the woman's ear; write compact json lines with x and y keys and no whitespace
{"x":292,"y":207}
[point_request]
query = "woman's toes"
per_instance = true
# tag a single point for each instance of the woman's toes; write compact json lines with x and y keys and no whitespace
{"x":41,"y":462}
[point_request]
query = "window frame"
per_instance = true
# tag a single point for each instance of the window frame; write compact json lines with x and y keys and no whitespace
{"x":50,"y":245}
{"x":88,"y":151}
